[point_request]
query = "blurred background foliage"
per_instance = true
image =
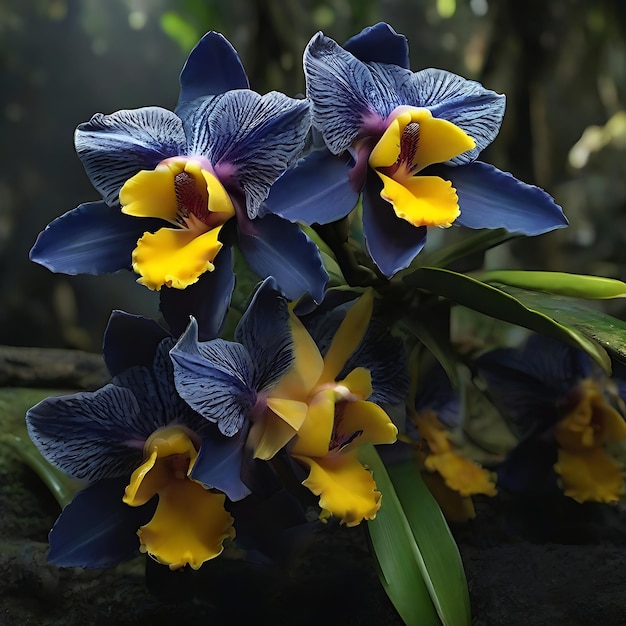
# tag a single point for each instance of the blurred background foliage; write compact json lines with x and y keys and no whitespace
{"x":562,"y":64}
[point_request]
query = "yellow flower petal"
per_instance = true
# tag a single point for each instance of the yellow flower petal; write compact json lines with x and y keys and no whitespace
{"x":307,"y":365}
{"x":348,"y":336}
{"x":375,"y":424}
{"x":315,"y":432}
{"x":358,"y":383}
{"x":174,"y":257}
{"x":190,"y":523}
{"x":461,"y":474}
{"x":590,"y":476}
{"x":422,"y":200}
{"x":276,"y":427}
{"x":591,"y":423}
{"x":433,"y":432}
{"x":437,"y":141}
{"x":347,"y":489}
{"x":189,"y":526}
{"x":219,"y":200}
{"x":151,"y":193}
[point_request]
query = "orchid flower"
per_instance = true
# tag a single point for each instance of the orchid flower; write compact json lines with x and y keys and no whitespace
{"x":158,"y":473}
{"x":435,"y":414}
{"x":179,"y":186}
{"x":566,"y":414}
{"x":276,"y":377}
{"x":408,"y":142}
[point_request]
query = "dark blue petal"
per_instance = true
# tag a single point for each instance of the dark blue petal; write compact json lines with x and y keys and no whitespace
{"x":215,"y":378}
{"x":435,"y":393}
{"x":528,"y":385}
{"x":130,"y":340}
{"x":113,"y":148}
{"x":391,"y":242}
{"x":385,"y":358}
{"x":275,"y":247}
{"x":466,"y":103}
{"x":346,"y":99}
{"x":490,"y":198}
{"x":265,"y":332}
{"x":317,"y":190}
{"x":207,"y":300}
{"x":218,"y":465}
{"x":212,"y":67}
{"x":97,"y":529}
{"x":90,"y":435}
{"x":254,"y":139}
{"x":380,"y":44}
{"x":93,"y":238}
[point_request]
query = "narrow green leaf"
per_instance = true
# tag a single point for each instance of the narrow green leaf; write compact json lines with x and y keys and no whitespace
{"x":571,"y":285}
{"x":444,"y":573}
{"x":398,"y":557}
{"x":411,"y":520}
{"x":61,"y":487}
{"x":500,"y":304}
{"x":604,"y":329}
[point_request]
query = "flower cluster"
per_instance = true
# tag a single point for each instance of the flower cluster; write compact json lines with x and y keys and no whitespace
{"x":196,"y":423}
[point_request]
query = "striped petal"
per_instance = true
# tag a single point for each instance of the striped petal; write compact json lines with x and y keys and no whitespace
{"x":264,"y":331}
{"x":347,"y":100}
{"x":215,"y":378}
{"x":113,"y":148}
{"x":91,"y":435}
{"x":465,"y":103}
{"x":254,"y":139}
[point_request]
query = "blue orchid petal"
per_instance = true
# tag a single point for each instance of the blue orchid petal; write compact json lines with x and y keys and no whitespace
{"x":218,"y":465}
{"x":130,"y":340}
{"x":215,"y":378}
{"x":213,"y":67}
{"x":275,"y":247}
{"x":391,"y":242}
{"x":93,"y":238}
{"x":466,"y":103}
{"x":346,"y":99}
{"x":113,"y":148}
{"x":385,"y":358}
{"x":90,"y":435}
{"x":380,"y":44}
{"x":316,"y":190}
{"x":265,"y":332}
{"x":253,"y":139}
{"x":207,"y":300}
{"x":490,"y":198}
{"x":527,"y":384}
{"x":97,"y":529}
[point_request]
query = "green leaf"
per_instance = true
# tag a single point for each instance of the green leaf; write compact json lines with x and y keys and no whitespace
{"x":571,"y":285}
{"x":61,"y":487}
{"x":606,"y":330}
{"x":502,"y":305}
{"x":14,"y":402}
{"x":420,"y":565}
